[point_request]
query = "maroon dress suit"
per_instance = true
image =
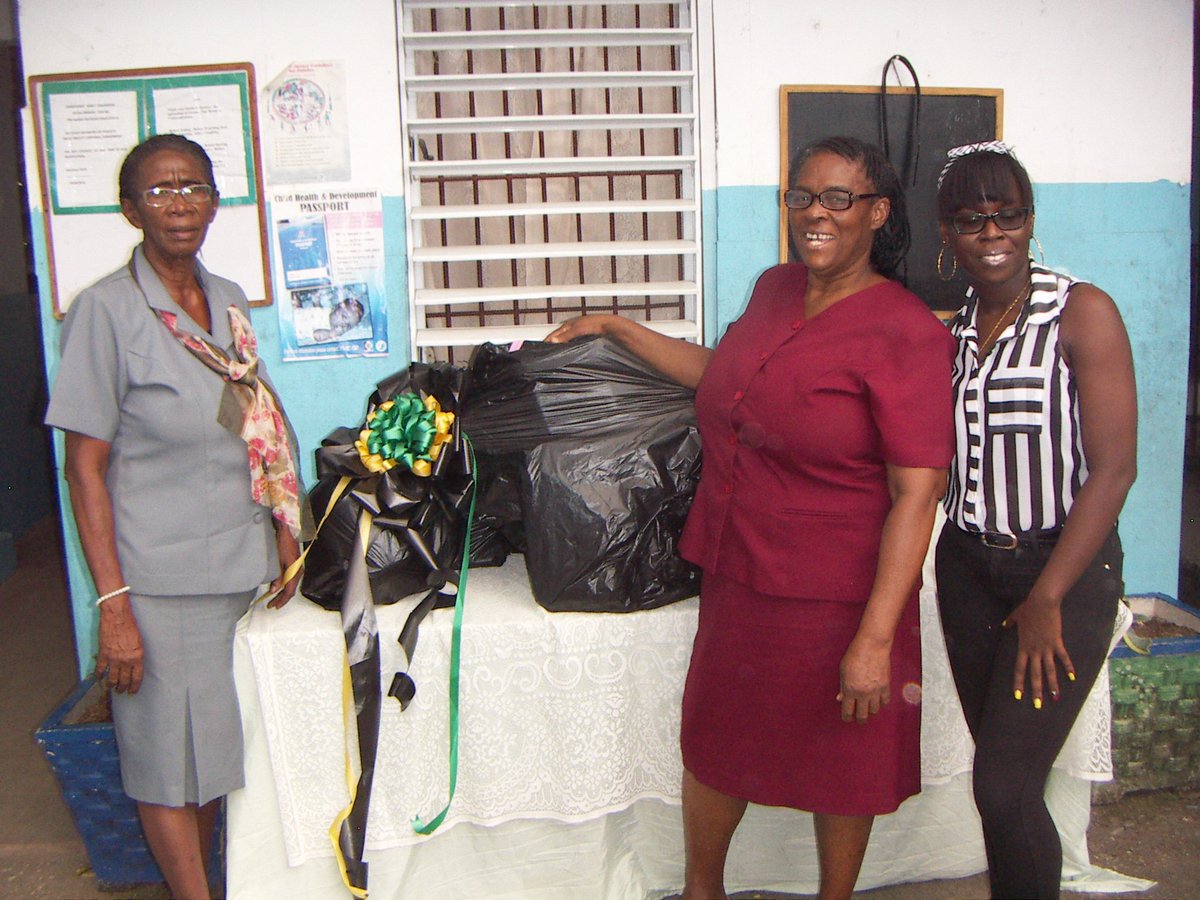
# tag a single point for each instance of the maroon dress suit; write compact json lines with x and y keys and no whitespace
{"x":799,"y":419}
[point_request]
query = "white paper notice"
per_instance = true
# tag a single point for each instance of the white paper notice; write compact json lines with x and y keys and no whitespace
{"x":211,"y":116}
{"x":92,"y":131}
{"x":307,"y":132}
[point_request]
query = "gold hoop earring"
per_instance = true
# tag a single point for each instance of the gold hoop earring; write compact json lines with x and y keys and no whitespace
{"x":1041,"y":251}
{"x":941,"y":269}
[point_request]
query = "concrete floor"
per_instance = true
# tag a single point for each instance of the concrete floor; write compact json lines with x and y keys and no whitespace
{"x":42,"y":857}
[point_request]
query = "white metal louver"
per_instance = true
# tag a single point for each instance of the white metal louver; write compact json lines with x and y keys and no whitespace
{"x":551,"y":167}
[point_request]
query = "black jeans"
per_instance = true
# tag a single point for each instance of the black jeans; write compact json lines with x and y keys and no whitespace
{"x":1015,"y":744}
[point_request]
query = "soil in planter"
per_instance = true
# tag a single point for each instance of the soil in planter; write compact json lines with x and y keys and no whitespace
{"x":1153,"y":628}
{"x":100,"y":711}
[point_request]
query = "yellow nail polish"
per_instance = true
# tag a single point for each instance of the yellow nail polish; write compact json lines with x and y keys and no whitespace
{"x":1071,"y":676}
{"x":1017,"y":695}
{"x":1037,"y":702}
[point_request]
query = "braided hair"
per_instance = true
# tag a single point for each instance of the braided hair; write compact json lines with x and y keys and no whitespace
{"x":893,"y":238}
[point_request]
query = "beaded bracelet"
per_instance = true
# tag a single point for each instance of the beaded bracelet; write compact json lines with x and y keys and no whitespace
{"x":124,"y":589}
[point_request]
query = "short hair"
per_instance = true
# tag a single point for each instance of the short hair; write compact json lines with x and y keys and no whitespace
{"x":984,"y":176}
{"x":131,"y":167}
{"x":893,"y":238}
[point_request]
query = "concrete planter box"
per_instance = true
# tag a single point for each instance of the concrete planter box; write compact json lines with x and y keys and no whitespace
{"x":1156,"y":706}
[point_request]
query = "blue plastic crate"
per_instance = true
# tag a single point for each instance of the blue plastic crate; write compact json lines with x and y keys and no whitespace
{"x":84,"y":759}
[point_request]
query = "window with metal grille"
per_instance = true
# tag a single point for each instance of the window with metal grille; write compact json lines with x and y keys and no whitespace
{"x":551,"y":168}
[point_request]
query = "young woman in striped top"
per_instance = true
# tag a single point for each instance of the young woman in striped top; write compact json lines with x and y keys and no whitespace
{"x":1029,"y":563}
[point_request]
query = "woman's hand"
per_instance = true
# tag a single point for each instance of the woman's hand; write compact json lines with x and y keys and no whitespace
{"x":866,"y":676}
{"x":580,"y":326}
{"x":866,"y":669}
{"x":289,"y":552}
{"x":120,"y":658}
{"x":681,"y":361}
{"x":1039,"y":643}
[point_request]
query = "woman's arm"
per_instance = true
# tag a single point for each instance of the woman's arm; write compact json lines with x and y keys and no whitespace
{"x":289,"y":552}
{"x":120,"y":653}
{"x":681,"y":361}
{"x":1097,"y":350}
{"x":866,"y":669}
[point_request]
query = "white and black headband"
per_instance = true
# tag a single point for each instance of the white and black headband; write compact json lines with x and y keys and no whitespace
{"x":956,"y":153}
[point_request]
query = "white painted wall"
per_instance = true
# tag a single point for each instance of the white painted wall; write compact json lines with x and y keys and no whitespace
{"x":1094,"y":90}
{"x":89,"y":35}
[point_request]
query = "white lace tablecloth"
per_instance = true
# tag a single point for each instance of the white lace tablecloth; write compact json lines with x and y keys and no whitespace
{"x":566,"y":716}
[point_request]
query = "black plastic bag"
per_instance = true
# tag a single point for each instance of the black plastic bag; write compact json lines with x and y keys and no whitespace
{"x":419,"y":523}
{"x":607,"y":456}
{"x":516,"y":400}
{"x":497,"y":529}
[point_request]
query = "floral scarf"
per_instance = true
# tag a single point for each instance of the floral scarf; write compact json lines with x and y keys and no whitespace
{"x":250,"y":409}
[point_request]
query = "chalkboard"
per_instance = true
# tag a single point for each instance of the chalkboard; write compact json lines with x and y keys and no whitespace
{"x":948,"y":118}
{"x":84,"y":125}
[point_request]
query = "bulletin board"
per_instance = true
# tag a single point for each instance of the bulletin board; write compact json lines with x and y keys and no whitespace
{"x":86,"y":122}
{"x":948,"y":117}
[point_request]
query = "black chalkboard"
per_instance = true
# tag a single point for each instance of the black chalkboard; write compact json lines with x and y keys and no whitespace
{"x":948,"y":118}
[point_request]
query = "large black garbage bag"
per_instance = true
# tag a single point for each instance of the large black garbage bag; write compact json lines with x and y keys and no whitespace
{"x":497,"y":529}
{"x":607,"y":456}
{"x":419,"y":523}
{"x":515,"y":400}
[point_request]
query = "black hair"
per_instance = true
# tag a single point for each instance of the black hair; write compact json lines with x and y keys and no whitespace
{"x":893,"y":237}
{"x":127,"y":188}
{"x":982,"y":177}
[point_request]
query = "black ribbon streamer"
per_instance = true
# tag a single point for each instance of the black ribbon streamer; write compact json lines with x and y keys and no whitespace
{"x":428,"y":515}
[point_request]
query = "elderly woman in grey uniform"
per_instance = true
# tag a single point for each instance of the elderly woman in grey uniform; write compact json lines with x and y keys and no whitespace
{"x":184,"y":493}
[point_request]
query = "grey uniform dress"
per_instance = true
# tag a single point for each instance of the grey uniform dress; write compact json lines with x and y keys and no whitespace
{"x":192,"y":543}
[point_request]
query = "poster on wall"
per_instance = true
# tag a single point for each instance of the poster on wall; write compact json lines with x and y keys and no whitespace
{"x":308,"y":139}
{"x":329,"y":270}
{"x":209,"y":114}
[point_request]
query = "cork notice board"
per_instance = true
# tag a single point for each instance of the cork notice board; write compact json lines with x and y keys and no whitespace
{"x":86,"y":122}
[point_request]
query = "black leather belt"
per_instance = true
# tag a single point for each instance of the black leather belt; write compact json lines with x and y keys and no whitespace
{"x":1029,"y":540}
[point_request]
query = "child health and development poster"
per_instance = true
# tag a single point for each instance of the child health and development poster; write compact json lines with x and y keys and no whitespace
{"x":329,"y":270}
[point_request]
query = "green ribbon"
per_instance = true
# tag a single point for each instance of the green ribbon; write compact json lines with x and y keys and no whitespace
{"x":403,"y":432}
{"x":421,"y":826}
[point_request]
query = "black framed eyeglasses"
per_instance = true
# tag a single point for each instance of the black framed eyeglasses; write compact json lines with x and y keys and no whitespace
{"x":192,"y":194}
{"x":831,"y":199}
{"x":1009,"y":219}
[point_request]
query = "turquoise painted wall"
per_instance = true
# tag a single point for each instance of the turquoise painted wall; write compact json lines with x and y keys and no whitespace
{"x":1130,"y":239}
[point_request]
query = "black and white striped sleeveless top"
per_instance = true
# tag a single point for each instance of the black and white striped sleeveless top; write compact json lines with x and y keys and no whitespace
{"x":1018,"y":459}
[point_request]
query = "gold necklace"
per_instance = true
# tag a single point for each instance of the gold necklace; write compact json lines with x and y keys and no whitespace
{"x":1004,"y":315}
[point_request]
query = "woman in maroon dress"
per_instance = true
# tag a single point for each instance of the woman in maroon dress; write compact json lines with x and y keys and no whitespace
{"x":825,"y":413}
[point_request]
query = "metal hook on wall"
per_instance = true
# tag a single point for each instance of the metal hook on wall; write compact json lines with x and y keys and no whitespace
{"x":912,"y":149}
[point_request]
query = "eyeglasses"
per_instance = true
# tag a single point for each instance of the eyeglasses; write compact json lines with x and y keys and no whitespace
{"x":830,"y":199}
{"x":1006,"y":220}
{"x":192,"y":194}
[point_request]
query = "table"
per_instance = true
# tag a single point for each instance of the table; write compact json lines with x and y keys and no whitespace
{"x":569,"y":765}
